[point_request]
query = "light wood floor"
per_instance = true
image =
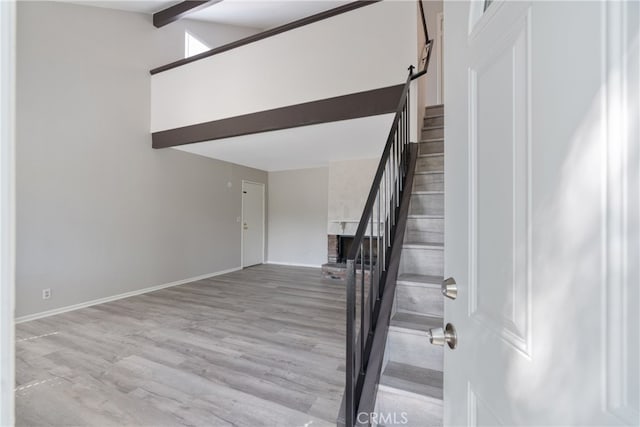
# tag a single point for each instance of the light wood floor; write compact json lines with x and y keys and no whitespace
{"x":259,"y":347}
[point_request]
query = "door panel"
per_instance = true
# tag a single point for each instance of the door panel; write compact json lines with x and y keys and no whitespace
{"x":252,"y":224}
{"x":542,"y":213}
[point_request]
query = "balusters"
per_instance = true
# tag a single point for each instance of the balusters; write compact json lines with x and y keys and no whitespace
{"x":389,"y":183}
{"x":371,"y":292}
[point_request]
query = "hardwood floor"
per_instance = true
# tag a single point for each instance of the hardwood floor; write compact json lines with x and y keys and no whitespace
{"x":259,"y":347}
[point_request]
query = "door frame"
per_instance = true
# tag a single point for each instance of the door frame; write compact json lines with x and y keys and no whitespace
{"x":7,"y":210}
{"x":244,"y":181}
{"x":440,"y":57}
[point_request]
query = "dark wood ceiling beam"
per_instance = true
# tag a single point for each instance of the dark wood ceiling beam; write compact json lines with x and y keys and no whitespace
{"x":175,"y":12}
{"x":346,"y":107}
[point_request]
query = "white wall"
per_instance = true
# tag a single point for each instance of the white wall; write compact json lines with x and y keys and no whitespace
{"x":349,"y":185}
{"x":7,"y":210}
{"x":211,"y":34}
{"x":432,"y":79}
{"x":297,"y":217}
{"x":429,"y":84}
{"x":100,"y":213}
{"x":368,"y":48}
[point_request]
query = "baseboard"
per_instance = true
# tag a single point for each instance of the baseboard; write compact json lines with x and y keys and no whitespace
{"x":294,"y":264}
{"x":68,"y":308}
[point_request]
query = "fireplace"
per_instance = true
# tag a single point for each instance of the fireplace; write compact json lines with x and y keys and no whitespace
{"x":339,"y":246}
{"x":342,"y":245}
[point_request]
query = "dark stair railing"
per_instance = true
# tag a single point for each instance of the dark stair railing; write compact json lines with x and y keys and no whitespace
{"x":371,"y":279}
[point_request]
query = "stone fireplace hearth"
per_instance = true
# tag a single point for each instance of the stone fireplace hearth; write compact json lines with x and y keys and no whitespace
{"x":337,"y":250}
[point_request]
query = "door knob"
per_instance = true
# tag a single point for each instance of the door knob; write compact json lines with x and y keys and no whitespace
{"x":246,"y":227}
{"x":439,"y":336}
{"x":449,"y":288}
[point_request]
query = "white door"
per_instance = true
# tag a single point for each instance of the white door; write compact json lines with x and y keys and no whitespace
{"x":542,"y":213}
{"x":252,"y":223}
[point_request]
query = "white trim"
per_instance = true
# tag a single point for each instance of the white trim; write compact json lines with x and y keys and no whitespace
{"x":440,"y":58}
{"x":7,"y":210}
{"x":121,"y":296}
{"x":294,"y":264}
{"x":264,"y":225}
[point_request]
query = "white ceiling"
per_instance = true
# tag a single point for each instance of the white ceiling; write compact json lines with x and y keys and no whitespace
{"x":261,"y":14}
{"x":141,"y":6}
{"x":303,"y":147}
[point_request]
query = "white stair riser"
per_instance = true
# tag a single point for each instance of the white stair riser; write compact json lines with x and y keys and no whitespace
{"x":425,"y":230}
{"x":427,"y":204}
{"x":428,"y":182}
{"x":420,"y":299}
{"x":435,"y":147}
{"x":408,"y":410}
{"x":432,"y":133}
{"x":429,"y":262}
{"x":430,"y":164}
{"x":414,"y":349}
{"x":433,"y":121}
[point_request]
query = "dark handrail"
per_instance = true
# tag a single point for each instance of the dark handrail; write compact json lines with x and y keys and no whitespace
{"x":424,"y":21}
{"x":362,"y":226}
{"x":428,"y":44}
{"x":371,"y":199}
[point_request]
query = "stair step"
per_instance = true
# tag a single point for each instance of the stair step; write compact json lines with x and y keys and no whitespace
{"x":422,"y":259}
{"x":434,"y":110}
{"x":428,"y":181}
{"x":420,"y":280}
{"x":433,"y":147}
{"x":412,"y":347}
{"x":431,"y":133}
{"x":427,"y":204}
{"x":437,"y":120}
{"x":424,"y":230}
{"x":428,"y":173}
{"x":422,"y":381}
{"x":409,"y":409}
{"x":423,"y":192}
{"x":413,"y":321}
{"x":432,"y":140}
{"x":430,"y":162}
{"x":420,"y":245}
{"x":422,"y":298}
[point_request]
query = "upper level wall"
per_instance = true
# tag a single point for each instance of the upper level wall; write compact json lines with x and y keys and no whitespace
{"x":430,"y":86}
{"x":367,"y":48}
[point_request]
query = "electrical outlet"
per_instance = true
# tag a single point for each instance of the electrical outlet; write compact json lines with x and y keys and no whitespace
{"x":46,"y":293}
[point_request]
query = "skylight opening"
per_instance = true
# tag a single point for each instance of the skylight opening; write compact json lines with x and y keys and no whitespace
{"x":193,"y":45}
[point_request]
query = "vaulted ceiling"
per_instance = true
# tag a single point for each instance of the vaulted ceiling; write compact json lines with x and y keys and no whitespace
{"x":261,"y":14}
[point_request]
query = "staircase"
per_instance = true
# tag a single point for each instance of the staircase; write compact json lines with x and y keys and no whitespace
{"x":411,"y":380}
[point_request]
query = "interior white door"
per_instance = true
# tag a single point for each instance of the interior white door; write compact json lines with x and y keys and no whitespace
{"x":252,"y":223}
{"x":542,"y":213}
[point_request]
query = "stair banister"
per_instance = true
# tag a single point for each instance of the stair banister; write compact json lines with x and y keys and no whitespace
{"x":369,"y":304}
